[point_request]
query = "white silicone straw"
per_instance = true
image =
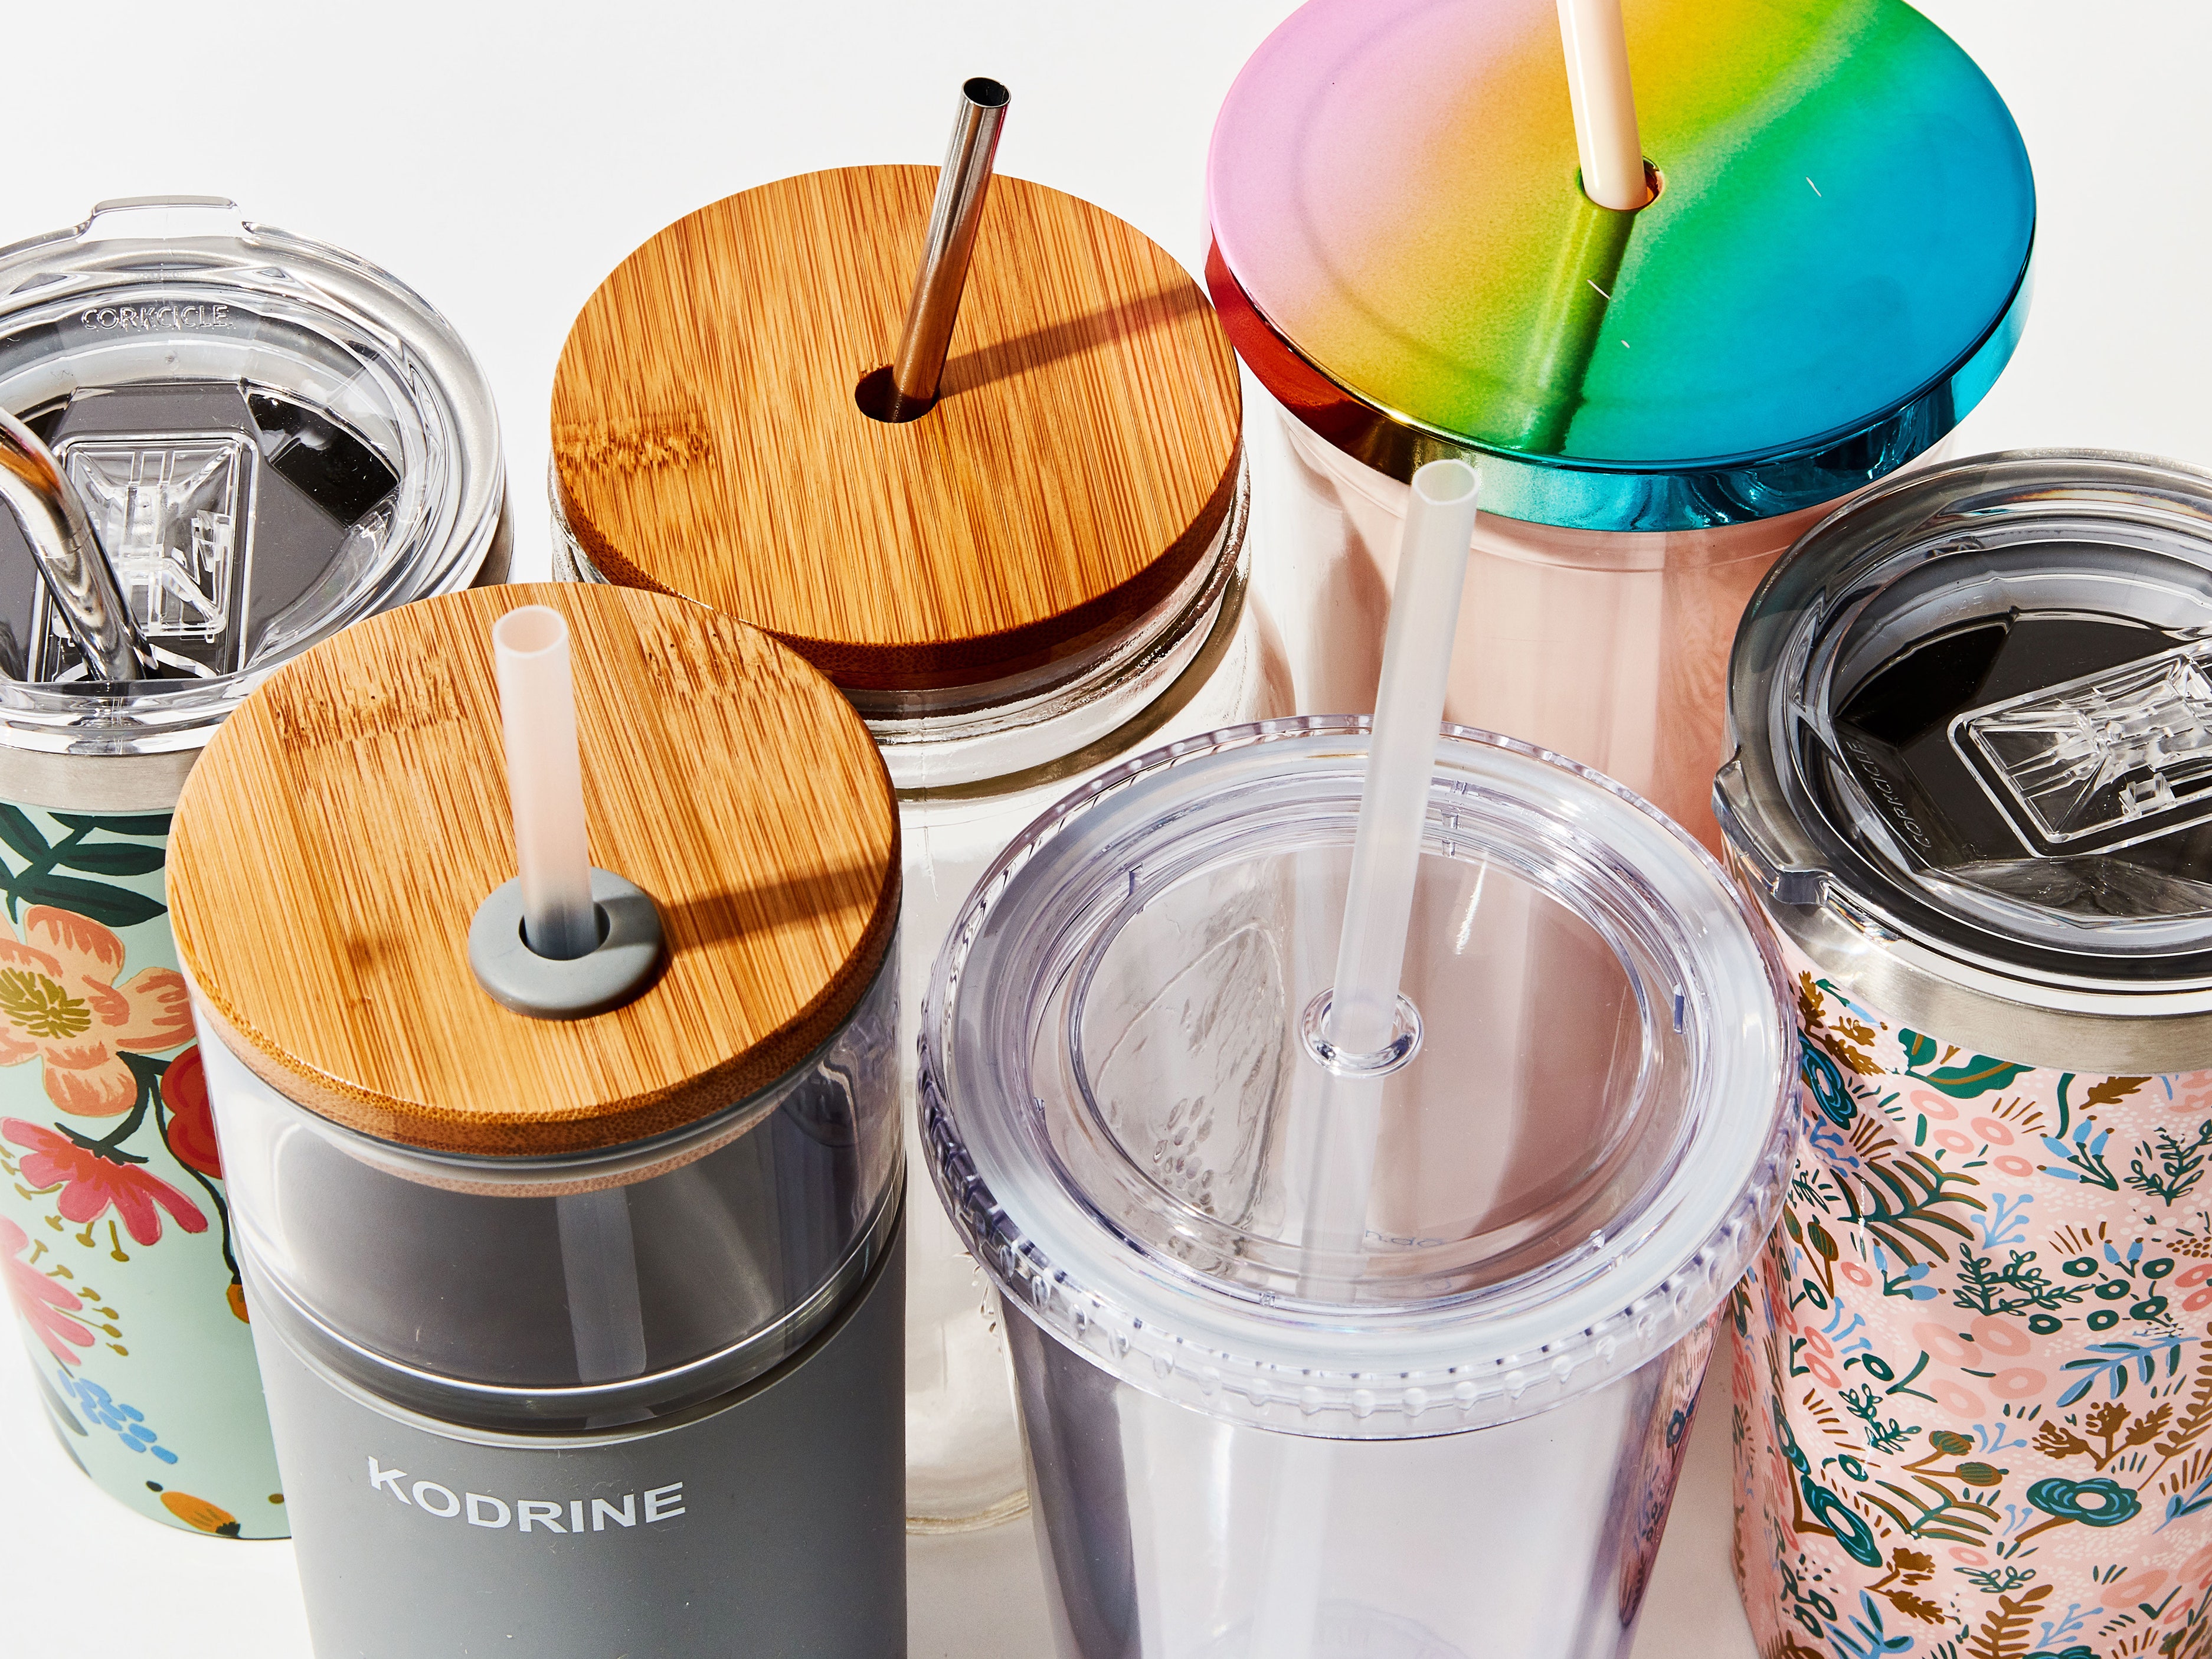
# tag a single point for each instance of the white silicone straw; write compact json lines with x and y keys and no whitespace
{"x":1598,"y":87}
{"x":1409,"y":707}
{"x":545,"y":780}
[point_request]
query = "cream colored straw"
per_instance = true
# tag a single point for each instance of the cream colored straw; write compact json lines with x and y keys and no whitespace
{"x":1598,"y":86}
{"x":545,"y":782}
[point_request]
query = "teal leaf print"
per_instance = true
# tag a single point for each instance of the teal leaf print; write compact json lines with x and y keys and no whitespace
{"x":113,"y":858}
{"x":39,"y":881}
{"x":136,"y":823}
{"x":1977,"y":1077}
{"x":1866,"y":1638}
{"x":1918,"y":1049}
{"x":20,"y":833}
{"x":113,"y":906}
{"x":2112,"y":1360}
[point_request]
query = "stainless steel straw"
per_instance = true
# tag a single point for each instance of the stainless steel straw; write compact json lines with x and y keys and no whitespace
{"x":961,"y":185}
{"x":75,"y":568}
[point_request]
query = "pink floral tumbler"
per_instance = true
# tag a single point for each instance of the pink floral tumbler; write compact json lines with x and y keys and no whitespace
{"x":1973,"y":1367}
{"x":268,"y":439}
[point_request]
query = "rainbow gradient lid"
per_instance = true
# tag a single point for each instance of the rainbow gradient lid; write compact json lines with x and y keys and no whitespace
{"x":1834,"y":272}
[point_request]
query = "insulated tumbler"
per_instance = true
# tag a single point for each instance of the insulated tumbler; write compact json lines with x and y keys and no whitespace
{"x":581,"y":1326}
{"x":269,"y":439}
{"x":1445,"y":1422}
{"x":1044,"y":575}
{"x":1832,"y":273}
{"x":1974,"y":782}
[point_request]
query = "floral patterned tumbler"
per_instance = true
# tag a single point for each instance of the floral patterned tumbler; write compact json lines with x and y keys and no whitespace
{"x":247,"y":510}
{"x":1972,"y":1375}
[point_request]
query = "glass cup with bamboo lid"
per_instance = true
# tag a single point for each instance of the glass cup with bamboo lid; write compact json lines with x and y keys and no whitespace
{"x":569,"y":1199}
{"x":1002,"y":506}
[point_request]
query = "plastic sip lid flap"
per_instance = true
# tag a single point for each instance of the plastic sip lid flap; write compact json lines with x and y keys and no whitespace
{"x":1833,"y":273}
{"x":1975,"y":716}
{"x":271,"y":438}
{"x":1574,"y":1167}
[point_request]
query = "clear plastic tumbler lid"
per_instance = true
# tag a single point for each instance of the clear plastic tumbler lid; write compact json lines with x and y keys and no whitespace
{"x":1975,"y":711}
{"x":272,"y":439}
{"x":1120,"y":1099}
{"x":1833,"y":272}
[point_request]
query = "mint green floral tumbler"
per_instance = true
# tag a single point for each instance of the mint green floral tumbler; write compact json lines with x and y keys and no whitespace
{"x":270,"y":438}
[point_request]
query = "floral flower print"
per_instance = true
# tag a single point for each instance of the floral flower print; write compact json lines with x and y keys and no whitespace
{"x":191,"y":1124}
{"x":127,"y":1422}
{"x":91,"y":1180}
{"x":43,"y":1305}
{"x":59,"y":1003}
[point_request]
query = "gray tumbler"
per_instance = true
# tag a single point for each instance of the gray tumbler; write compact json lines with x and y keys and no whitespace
{"x":575,"y":1281}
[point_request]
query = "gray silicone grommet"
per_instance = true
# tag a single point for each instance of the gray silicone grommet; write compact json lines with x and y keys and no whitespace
{"x":616,"y":969}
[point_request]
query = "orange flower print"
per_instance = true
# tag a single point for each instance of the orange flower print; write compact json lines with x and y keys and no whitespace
{"x":45,"y":1305}
{"x":92,"y":1180}
{"x":59,"y":1003}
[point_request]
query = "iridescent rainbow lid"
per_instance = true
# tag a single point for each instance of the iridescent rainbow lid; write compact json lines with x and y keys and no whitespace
{"x":1833,"y":273}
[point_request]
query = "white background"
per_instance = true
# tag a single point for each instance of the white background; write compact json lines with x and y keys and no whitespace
{"x":502,"y":160}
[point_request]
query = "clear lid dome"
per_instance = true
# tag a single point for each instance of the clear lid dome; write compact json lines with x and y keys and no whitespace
{"x":1974,"y":706}
{"x":272,"y":439}
{"x":1121,"y":1108}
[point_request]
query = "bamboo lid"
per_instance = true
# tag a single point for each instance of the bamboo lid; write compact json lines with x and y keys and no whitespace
{"x":1081,"y":456}
{"x":333,"y":844}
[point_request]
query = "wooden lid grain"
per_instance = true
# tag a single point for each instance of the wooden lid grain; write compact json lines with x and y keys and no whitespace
{"x":332,"y":845}
{"x":1080,"y":458}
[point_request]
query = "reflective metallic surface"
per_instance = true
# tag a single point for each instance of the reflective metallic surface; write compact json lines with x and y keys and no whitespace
{"x":961,"y":189}
{"x":75,"y":569}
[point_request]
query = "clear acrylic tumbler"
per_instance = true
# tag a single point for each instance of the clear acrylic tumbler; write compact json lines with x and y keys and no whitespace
{"x":1251,"y":1428}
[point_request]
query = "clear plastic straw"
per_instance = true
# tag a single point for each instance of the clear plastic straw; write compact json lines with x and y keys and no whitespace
{"x":1363,"y":1011}
{"x":545,"y":782}
{"x":1409,"y":708}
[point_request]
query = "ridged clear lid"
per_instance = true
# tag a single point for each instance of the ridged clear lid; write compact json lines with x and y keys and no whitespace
{"x":1120,"y":1109}
{"x":272,"y":439}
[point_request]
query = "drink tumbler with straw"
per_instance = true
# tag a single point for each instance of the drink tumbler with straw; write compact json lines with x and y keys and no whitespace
{"x":1021,"y":568}
{"x":1362,"y":1137}
{"x":1972,"y":1381}
{"x":1831,"y":272}
{"x":232,"y":442}
{"x":569,"y":1197}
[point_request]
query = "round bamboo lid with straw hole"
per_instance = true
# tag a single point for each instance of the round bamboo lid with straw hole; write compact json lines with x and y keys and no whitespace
{"x":1082,"y":454}
{"x":333,"y":845}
